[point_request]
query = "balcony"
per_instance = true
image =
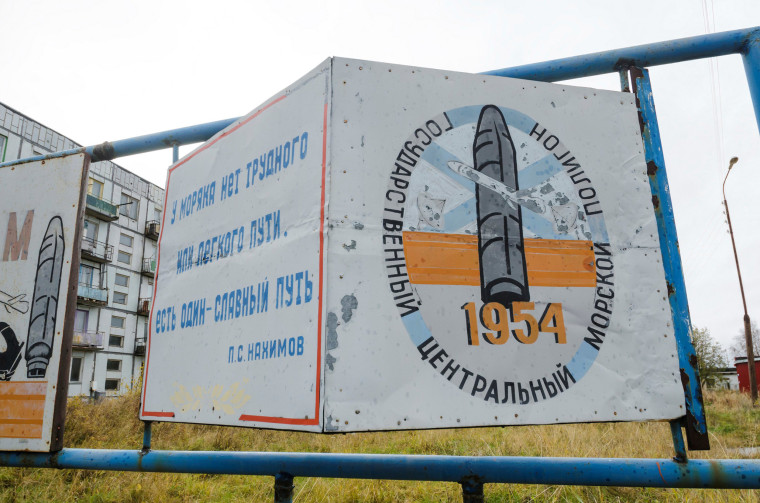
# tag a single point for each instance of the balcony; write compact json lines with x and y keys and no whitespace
{"x":151,"y":229}
{"x":149,"y":267}
{"x":96,"y":251}
{"x":90,"y":341}
{"x":100,"y":208}
{"x":92,"y":295}
{"x":140,"y":346}
{"x":143,"y":307}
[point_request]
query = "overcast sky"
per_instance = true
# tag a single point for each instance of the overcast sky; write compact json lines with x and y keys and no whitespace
{"x":107,"y":70}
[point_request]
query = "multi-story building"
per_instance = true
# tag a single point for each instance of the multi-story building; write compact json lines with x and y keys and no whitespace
{"x":118,"y":261}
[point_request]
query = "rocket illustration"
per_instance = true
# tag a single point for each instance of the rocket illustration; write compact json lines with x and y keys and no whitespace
{"x":503,"y":271}
{"x":39,"y":342}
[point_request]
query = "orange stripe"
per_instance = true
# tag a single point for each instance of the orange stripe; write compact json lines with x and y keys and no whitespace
{"x":22,"y":402}
{"x":452,"y":259}
{"x":23,"y":388}
{"x":21,"y":421}
{"x":26,"y":409}
{"x":21,"y":397}
{"x":21,"y":431}
{"x":279,"y":420}
{"x":22,"y":408}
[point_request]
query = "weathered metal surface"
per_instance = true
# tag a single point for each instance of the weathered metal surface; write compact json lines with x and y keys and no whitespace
{"x":724,"y":473}
{"x":484,"y":203}
{"x":40,"y":242}
{"x":696,"y":423}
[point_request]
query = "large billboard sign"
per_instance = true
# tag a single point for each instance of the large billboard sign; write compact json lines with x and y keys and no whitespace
{"x":383,"y":247}
{"x":41,"y":209}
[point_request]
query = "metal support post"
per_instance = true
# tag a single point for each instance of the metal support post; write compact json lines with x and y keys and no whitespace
{"x":472,"y":491}
{"x":696,"y":422}
{"x":283,"y":488}
{"x":625,"y":85}
{"x":147,"y":435}
{"x":678,"y":445}
{"x":175,"y":152}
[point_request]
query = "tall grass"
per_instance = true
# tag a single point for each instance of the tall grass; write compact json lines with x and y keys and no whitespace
{"x":113,"y":424}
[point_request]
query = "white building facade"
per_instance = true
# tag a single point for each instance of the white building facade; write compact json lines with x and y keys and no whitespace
{"x":118,"y":261}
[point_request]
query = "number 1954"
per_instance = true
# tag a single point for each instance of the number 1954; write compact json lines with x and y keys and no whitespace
{"x":494,"y":316}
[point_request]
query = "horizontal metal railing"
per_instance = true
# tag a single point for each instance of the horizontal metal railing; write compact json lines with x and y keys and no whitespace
{"x":88,"y":339}
{"x":97,"y":249}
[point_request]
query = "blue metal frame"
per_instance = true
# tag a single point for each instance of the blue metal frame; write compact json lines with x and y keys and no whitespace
{"x":473,"y":472}
{"x":696,"y":422}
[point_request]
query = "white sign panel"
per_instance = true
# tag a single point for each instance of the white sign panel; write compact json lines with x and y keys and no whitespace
{"x":237,"y":313}
{"x":40,"y":213}
{"x":493,"y":258}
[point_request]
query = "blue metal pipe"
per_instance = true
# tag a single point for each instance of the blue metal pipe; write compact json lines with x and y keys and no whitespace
{"x":139,"y":144}
{"x":661,"y":53}
{"x":751,"y":59}
{"x":157,"y":141}
{"x":739,"y":474}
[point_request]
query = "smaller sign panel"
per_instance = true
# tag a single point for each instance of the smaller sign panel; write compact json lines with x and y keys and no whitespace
{"x":41,"y":205}
{"x":235,"y":329}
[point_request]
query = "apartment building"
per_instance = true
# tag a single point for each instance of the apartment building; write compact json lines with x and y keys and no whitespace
{"x":118,"y":261}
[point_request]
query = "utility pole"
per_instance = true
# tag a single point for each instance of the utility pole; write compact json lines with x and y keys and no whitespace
{"x":747,"y":328}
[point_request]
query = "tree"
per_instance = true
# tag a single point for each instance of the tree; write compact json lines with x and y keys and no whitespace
{"x":711,"y":356}
{"x":739,"y":345}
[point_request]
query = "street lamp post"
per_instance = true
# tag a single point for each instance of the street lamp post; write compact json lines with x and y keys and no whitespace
{"x":747,"y":328}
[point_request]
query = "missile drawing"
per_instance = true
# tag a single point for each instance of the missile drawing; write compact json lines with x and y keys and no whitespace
{"x":503,"y":271}
{"x":39,"y":341}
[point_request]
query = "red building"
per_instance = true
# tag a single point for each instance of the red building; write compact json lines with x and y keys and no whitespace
{"x":742,"y":369}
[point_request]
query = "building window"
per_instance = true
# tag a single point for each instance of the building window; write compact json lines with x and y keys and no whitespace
{"x":126,"y":240}
{"x":129,"y":206}
{"x":112,"y":384}
{"x":80,"y":321}
{"x":121,"y":280}
{"x":3,"y":143}
{"x":95,"y":188}
{"x":116,"y":341}
{"x":117,"y":322}
{"x":89,"y":276}
{"x":76,"y":369}
{"x":113,"y":365}
{"x":119,"y":298}
{"x":124,"y":257}
{"x":90,"y":230}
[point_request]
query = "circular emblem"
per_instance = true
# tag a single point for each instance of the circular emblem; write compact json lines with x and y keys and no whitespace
{"x":497,"y":254}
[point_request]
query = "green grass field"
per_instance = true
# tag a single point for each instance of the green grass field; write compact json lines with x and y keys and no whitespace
{"x":113,"y":424}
